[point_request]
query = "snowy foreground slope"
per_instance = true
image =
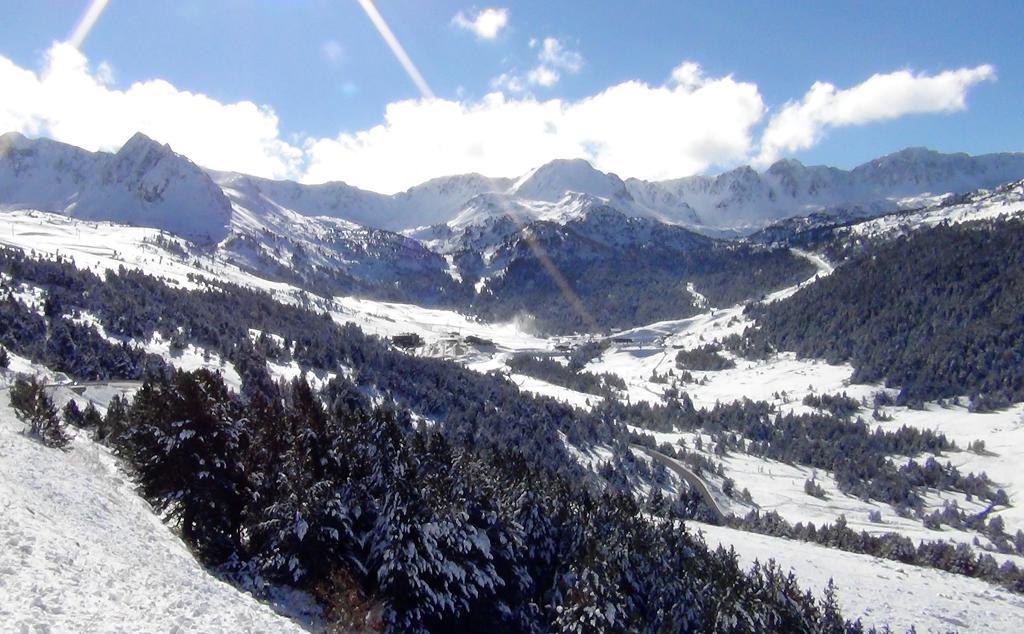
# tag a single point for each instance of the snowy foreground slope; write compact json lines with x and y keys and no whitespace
{"x":880,"y":591}
{"x":81,"y":552}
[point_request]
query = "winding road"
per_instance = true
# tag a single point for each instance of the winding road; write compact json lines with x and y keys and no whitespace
{"x":689,"y":476}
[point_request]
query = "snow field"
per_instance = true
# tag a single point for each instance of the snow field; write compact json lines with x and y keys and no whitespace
{"x":881,"y":591}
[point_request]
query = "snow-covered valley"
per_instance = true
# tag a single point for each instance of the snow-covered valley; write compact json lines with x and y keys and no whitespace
{"x":81,"y":494}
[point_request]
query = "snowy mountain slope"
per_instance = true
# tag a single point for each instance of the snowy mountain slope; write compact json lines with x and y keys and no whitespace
{"x":915,"y":170}
{"x":82,"y":552}
{"x":783,"y":380}
{"x":42,"y":174}
{"x":259,"y":196}
{"x":757,"y":380}
{"x":425,"y":204}
{"x":1003,"y":201}
{"x":320,"y":236}
{"x":488,"y":220}
{"x":551,"y":181}
{"x":434,"y":201}
{"x":336,"y":256}
{"x":147,"y":184}
{"x":743,"y":197}
{"x":104,"y":247}
{"x":741,"y":200}
{"x":881,"y":591}
{"x":143,"y":184}
{"x":264,"y":226}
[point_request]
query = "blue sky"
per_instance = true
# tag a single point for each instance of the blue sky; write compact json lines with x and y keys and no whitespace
{"x":309,"y":90}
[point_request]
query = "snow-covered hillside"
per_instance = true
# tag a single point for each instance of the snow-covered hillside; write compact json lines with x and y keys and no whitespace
{"x":551,"y":181}
{"x":883,"y":592}
{"x":867,"y":585}
{"x":1004,"y":201}
{"x":82,"y":552}
{"x":40,"y":173}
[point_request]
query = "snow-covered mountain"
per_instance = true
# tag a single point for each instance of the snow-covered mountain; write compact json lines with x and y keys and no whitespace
{"x":433,"y":201}
{"x":550,"y":181}
{"x":744,"y":198}
{"x":40,"y":173}
{"x":148,"y":184}
{"x":429,"y":203}
{"x":488,"y":219}
{"x":260,"y":196}
{"x":277,"y":229}
{"x":144,"y":184}
{"x":83,"y":552}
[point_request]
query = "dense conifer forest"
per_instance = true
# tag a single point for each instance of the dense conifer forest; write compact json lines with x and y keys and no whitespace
{"x":632,"y":283}
{"x":937,"y":313}
{"x":399,"y":529}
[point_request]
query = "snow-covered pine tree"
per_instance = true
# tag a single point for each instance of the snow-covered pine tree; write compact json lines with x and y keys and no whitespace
{"x":410,"y":545}
{"x":33,"y":405}
{"x":305,"y":529}
{"x":186,"y":436}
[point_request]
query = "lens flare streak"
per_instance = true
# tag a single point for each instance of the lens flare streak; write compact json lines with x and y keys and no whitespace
{"x":86,"y":22}
{"x":396,"y":48}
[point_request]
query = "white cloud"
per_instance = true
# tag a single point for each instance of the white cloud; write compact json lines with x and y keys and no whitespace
{"x":508,"y":82}
{"x":553,"y":53}
{"x":487,"y":24}
{"x":69,"y":102}
{"x":543,"y":76}
{"x":802,"y":124}
{"x":632,"y":128}
{"x":692,"y":122}
{"x":688,"y":75}
{"x":553,"y":59}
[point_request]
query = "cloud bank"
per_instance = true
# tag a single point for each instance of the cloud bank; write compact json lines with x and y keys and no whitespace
{"x":802,"y":124}
{"x":71,"y":103}
{"x":684,"y":126}
{"x":632,"y":128}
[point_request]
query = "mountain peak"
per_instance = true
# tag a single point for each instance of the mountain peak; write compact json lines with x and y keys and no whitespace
{"x":12,"y":141}
{"x":914,"y":152}
{"x":786,"y":165}
{"x":140,"y":144}
{"x":147,"y":184}
{"x":551,"y":181}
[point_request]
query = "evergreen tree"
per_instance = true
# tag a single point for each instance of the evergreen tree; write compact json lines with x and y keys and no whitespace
{"x":306,"y":527}
{"x":33,"y":405}
{"x":186,"y":436}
